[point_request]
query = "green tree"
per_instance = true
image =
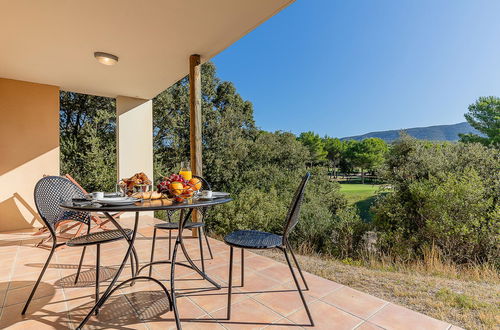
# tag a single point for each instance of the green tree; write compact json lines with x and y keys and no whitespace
{"x":368,"y":154}
{"x":87,"y":140}
{"x":484,"y":115}
{"x":314,"y":143}
{"x":228,"y":129}
{"x":335,"y":151}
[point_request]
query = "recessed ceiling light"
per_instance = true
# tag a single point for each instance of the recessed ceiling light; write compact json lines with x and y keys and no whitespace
{"x":105,"y":58}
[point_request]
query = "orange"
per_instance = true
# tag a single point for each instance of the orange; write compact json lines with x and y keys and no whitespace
{"x":176,"y":188}
{"x":195,"y":183}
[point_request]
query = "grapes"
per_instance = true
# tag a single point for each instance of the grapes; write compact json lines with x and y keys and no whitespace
{"x":164,"y":185}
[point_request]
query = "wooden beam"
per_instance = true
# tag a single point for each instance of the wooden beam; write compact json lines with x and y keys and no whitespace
{"x":195,"y":121}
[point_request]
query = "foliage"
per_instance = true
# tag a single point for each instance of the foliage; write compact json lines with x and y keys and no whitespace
{"x":87,"y":140}
{"x":265,"y":208}
{"x":260,"y":169}
{"x":368,"y":154}
{"x":444,"y":194}
{"x":348,"y":230}
{"x":484,"y":115}
{"x":228,"y":128}
{"x":316,"y":147}
{"x":335,"y":150}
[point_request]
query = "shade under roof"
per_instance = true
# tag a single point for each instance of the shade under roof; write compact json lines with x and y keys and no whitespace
{"x":53,"y":42}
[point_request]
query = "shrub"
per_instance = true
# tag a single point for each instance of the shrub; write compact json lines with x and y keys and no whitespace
{"x":445,"y":195}
{"x":347,"y":231}
{"x":264,"y":207}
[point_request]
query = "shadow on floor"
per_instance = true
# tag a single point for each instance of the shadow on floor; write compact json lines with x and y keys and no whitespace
{"x":39,"y":309}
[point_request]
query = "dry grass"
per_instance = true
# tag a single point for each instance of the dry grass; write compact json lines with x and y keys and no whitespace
{"x":433,"y":264}
{"x":466,"y":296}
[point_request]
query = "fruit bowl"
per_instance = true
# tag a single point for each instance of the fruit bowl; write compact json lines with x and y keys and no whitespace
{"x":181,"y":194}
{"x":175,"y":186}
{"x":132,"y":190}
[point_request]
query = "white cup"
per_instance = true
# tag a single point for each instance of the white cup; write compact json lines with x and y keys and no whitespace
{"x":98,"y":195}
{"x":206,"y":194}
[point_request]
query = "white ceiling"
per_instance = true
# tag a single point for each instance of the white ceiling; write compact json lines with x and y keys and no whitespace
{"x":53,"y":41}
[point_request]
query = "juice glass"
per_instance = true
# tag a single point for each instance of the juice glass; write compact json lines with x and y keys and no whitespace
{"x":186,"y":171}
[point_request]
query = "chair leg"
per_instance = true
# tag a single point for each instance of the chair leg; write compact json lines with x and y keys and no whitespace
{"x":152,"y":251}
{"x":83,"y":255}
{"x":201,"y":251}
{"x":40,"y":277}
{"x":298,"y":267}
{"x":97,"y":275}
{"x":208,"y":243}
{"x":230,"y":283}
{"x":80,"y":265}
{"x":298,"y":286}
{"x":242,"y":267}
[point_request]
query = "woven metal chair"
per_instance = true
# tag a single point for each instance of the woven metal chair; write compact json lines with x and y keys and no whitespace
{"x":174,"y":225}
{"x":253,"y":239}
{"x":50,"y":192}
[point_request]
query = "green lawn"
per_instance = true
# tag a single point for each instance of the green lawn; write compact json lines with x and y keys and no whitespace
{"x":360,"y":195}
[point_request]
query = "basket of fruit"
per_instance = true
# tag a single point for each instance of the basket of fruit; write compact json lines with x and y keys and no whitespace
{"x":175,"y":186}
{"x":138,"y":186}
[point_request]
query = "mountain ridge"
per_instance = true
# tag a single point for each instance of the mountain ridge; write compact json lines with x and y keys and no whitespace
{"x":432,"y":133}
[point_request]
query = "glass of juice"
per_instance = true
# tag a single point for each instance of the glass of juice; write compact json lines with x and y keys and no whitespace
{"x":185,"y":171}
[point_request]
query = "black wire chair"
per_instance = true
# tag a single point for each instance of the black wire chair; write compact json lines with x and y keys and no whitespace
{"x":253,"y":239}
{"x":174,"y":225}
{"x":50,"y":192}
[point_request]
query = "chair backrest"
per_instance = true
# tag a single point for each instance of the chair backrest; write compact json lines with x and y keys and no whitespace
{"x":49,"y":193}
{"x":204,"y":183}
{"x":294,"y":211}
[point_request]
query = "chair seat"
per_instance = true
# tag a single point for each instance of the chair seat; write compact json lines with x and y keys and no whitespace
{"x":175,"y":225}
{"x":98,"y":238}
{"x":253,"y":239}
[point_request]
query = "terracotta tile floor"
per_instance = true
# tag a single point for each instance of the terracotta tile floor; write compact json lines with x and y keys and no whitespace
{"x":266,"y":301}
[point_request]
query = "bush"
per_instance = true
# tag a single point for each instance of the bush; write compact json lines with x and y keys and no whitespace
{"x":264,"y":207}
{"x":444,"y":194}
{"x":348,"y":230}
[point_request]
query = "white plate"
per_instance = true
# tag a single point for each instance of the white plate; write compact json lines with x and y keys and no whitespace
{"x":118,"y":200}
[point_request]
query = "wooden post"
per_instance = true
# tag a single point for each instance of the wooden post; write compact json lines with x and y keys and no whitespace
{"x":195,"y":122}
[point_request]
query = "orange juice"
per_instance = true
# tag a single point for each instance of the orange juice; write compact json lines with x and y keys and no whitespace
{"x":185,"y":171}
{"x":186,"y":174}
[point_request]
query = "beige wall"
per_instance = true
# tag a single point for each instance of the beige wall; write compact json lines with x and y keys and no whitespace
{"x":134,"y":136}
{"x":29,"y":147}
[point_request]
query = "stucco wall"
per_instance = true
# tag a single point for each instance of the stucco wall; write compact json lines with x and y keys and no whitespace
{"x":29,"y":147}
{"x":134,"y":138}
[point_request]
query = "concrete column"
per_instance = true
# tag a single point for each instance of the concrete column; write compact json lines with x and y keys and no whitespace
{"x":134,"y":123}
{"x":134,"y":137}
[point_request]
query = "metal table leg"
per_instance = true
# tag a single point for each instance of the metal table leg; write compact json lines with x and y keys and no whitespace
{"x":179,"y":243}
{"x":112,"y":288}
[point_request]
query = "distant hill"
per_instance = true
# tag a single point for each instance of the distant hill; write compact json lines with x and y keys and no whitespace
{"x":433,"y":133}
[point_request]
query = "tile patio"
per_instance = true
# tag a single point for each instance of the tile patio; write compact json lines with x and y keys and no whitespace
{"x":267,"y":301}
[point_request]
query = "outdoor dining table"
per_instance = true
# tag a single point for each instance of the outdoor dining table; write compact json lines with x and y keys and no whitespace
{"x":154,"y":205}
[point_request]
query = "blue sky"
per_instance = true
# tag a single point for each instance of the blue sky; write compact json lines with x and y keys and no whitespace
{"x":346,"y":67}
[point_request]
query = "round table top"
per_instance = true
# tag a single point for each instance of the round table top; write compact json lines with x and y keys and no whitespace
{"x":147,"y":205}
